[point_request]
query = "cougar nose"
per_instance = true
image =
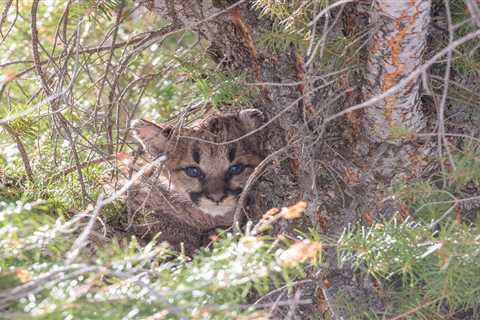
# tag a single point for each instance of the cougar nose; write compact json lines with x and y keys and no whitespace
{"x":215,"y":190}
{"x":216,"y":197}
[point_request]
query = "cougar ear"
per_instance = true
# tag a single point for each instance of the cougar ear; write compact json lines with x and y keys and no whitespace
{"x":153,"y":137}
{"x":251,"y":119}
{"x":215,"y":125}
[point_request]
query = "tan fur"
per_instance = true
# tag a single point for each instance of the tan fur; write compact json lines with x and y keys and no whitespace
{"x":183,"y":208}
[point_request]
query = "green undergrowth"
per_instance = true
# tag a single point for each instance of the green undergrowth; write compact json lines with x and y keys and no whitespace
{"x":413,"y":265}
{"x":39,"y":279}
{"x":424,"y":261}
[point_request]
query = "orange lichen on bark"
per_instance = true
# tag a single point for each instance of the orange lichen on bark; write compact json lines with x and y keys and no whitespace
{"x":458,"y":215}
{"x":322,"y":305}
{"x":391,"y":78}
{"x":395,"y":45}
{"x":248,"y":41}
{"x":294,"y":161}
{"x":355,"y":117}
{"x":367,"y":218}
{"x":351,"y":175}
{"x":300,"y":69}
{"x":414,"y":159}
{"x":404,"y":212}
{"x":375,"y":43}
{"x":322,"y":222}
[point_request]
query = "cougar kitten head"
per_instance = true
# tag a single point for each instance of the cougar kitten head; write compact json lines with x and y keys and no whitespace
{"x":211,"y":176}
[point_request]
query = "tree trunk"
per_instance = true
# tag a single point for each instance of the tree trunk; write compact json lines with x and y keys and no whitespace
{"x":386,"y":153}
{"x":396,"y":49}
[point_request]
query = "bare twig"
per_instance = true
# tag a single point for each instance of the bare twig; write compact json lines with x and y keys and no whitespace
{"x":418,"y":308}
{"x":251,"y":180}
{"x":21,"y":149}
{"x":4,"y":16}
{"x":53,"y":103}
{"x":81,"y":241}
{"x":441,"y":140}
{"x":406,"y":80}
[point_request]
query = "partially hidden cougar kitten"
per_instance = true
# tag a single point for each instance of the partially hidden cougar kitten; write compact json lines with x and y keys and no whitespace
{"x":196,"y":188}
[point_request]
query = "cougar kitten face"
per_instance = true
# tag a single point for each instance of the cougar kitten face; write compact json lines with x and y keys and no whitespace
{"x":209,"y":175}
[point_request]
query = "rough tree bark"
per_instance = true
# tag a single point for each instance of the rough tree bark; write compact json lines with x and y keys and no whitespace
{"x":369,"y":162}
{"x":396,"y":49}
{"x":383,"y":154}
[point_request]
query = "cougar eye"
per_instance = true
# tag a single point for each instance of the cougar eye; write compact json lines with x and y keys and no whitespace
{"x":235,"y":169}
{"x":193,"y":172}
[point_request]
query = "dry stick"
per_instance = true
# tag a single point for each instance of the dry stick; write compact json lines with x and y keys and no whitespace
{"x":141,"y":37}
{"x":282,"y":303}
{"x":417,"y":72}
{"x":329,"y":302}
{"x":296,"y":83}
{"x":294,"y":304}
{"x":96,"y":49}
{"x":455,"y":202}
{"x":321,"y":43}
{"x":174,"y":309}
{"x":8,"y":4}
{"x":147,"y":37}
{"x":118,"y":100}
{"x":278,"y":303}
{"x":414,"y":310}
{"x":456,"y":84}
{"x":107,"y":67}
{"x":441,"y":140}
{"x":280,"y":289}
{"x":21,"y":149}
{"x":313,"y":32}
{"x":46,"y":88}
{"x":248,"y":185}
{"x":145,"y":41}
{"x":65,"y":20}
{"x":82,"y":240}
{"x":120,"y":141}
{"x":444,"y":215}
{"x":474,"y":10}
{"x":448,"y":134}
{"x":4,"y":18}
{"x":9,"y":63}
{"x":119,"y":71}
{"x":10,"y":295}
{"x":169,"y":30}
{"x":413,"y":75}
{"x":330,"y":7}
{"x":83,"y":165}
{"x":40,"y":104}
{"x":146,"y":79}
